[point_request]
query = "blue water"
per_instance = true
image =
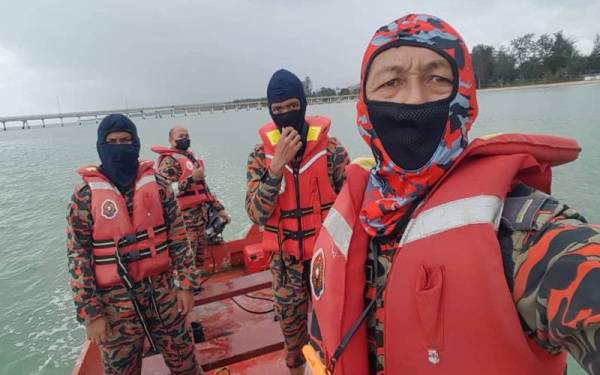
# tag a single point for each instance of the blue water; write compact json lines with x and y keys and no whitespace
{"x":38,"y":332}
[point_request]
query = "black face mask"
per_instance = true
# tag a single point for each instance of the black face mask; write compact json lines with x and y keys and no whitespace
{"x":182,"y":144}
{"x":409,"y":133}
{"x":119,"y":163}
{"x":295,"y":119}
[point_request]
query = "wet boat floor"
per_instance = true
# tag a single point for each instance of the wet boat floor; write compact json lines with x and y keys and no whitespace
{"x":236,"y":341}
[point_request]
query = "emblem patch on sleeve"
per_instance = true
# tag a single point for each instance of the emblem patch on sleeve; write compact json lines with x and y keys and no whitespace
{"x":317,"y":274}
{"x":109,"y":209}
{"x":189,"y":165}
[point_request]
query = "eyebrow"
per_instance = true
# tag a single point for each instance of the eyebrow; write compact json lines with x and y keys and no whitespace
{"x":432,"y":65}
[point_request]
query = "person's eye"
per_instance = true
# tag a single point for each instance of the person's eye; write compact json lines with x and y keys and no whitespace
{"x":441,"y":80}
{"x":390,"y":84}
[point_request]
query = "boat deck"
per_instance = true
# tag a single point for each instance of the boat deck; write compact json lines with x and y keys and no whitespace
{"x":236,"y":341}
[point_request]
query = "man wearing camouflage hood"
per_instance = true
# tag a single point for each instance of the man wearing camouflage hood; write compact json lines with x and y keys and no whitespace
{"x":442,"y":256}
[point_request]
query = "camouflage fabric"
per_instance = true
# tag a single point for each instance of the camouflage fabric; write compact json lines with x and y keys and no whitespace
{"x":262,"y":187}
{"x":292,"y":294}
{"x":290,"y":277}
{"x":92,"y":303}
{"x":195,"y":224}
{"x":170,"y":169}
{"x":195,"y":218}
{"x":541,"y":264}
{"x":122,"y":353}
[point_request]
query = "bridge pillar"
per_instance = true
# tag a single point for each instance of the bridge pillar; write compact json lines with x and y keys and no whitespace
{"x":143,"y":114}
{"x":4,"y":125}
{"x":96,"y":118}
{"x":62,"y":122}
{"x":79,"y":119}
{"x":172,"y":112}
{"x":43,"y":123}
{"x":26,"y":124}
{"x":185,"y":112}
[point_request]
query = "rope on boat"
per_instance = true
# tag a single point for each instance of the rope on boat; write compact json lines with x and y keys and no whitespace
{"x":252,"y":311}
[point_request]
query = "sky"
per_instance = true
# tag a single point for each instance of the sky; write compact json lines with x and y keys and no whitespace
{"x":78,"y":55}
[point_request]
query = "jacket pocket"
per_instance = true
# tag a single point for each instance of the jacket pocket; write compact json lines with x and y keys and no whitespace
{"x":429,"y":300}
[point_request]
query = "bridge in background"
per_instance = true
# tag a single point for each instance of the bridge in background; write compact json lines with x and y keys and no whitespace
{"x":60,"y":119}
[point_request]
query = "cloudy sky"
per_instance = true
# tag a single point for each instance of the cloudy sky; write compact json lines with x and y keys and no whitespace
{"x":85,"y":54}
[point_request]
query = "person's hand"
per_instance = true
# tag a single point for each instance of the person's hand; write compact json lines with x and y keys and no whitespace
{"x":225,"y":216}
{"x":97,"y":330}
{"x":198,"y":173}
{"x":286,"y":149}
{"x":185,"y":301}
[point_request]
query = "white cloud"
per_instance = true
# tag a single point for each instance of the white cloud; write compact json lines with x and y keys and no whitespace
{"x":140,"y":52}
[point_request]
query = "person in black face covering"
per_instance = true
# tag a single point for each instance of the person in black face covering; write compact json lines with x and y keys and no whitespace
{"x":185,"y":171}
{"x":118,"y":147}
{"x":158,"y":295}
{"x":292,"y":178}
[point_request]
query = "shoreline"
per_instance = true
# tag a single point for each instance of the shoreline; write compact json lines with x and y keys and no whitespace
{"x":541,"y":86}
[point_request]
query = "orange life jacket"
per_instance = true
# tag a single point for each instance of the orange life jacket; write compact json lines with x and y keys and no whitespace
{"x":306,"y":193}
{"x":448,"y":308}
{"x":142,"y":238}
{"x":197,"y":192}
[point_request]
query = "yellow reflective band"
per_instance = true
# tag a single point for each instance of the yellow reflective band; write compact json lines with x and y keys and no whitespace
{"x":274,"y":136}
{"x":489,"y":136}
{"x":365,"y":162}
{"x":314,"y":362}
{"x":313,"y":133}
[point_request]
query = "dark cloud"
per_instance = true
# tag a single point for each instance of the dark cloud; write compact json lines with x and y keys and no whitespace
{"x":113,"y":53}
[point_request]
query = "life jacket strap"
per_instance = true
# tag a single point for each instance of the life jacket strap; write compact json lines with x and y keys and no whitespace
{"x":123,"y":273}
{"x":299,"y":212}
{"x":193,"y":192}
{"x":129,"y":239}
{"x":131,"y":256}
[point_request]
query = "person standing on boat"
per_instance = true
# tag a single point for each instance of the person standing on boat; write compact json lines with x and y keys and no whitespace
{"x":293,"y":177}
{"x":186,"y":172}
{"x":132,"y":269}
{"x":442,"y":256}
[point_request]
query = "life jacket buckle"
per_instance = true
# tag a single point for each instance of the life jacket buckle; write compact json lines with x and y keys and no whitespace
{"x":129,"y":239}
{"x":132,"y":256}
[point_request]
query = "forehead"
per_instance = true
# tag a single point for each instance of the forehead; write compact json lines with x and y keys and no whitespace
{"x":118,"y":135}
{"x":287,"y":102}
{"x":178,"y":131}
{"x":408,"y":57}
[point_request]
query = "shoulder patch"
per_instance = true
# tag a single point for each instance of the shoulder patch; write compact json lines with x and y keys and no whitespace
{"x":519,"y":213}
{"x":317,"y":274}
{"x":109,"y":209}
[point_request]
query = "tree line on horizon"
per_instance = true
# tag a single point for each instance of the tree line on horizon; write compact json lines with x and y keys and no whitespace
{"x":545,"y":59}
{"x":551,"y":57}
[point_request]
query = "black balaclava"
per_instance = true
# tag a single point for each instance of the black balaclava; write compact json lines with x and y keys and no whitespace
{"x":119,"y":161}
{"x":285,"y":85}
